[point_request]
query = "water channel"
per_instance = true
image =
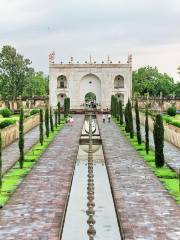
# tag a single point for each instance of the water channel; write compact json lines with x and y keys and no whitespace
{"x":75,"y":225}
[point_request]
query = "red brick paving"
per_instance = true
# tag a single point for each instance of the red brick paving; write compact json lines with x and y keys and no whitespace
{"x":35,"y":210}
{"x":144,"y":207}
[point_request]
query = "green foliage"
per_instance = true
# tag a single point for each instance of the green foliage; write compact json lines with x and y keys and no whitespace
{"x":66,"y":106}
{"x":36,"y":85}
{"x":41,"y":135}
{"x":0,"y":160}
{"x":56,"y":117}
{"x":171,"y":111}
{"x":130,"y":119}
{"x":159,"y":141}
{"x":34,"y":111}
{"x":146,"y":131}
{"x":177,"y":89}
{"x":6,"y":112}
{"x":149,"y":80}
{"x":114,"y":107}
{"x":138,"y":129}
{"x":117,"y":110}
{"x":126,"y":119}
{"x":172,"y":121}
{"x":59,"y":113}
{"x":7,"y":122}
{"x":21,"y":137}
{"x":47,"y":121}
{"x":120,"y":112}
{"x":51,"y":120}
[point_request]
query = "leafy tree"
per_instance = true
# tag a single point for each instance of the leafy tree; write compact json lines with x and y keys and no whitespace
{"x":149,"y":80}
{"x":177,"y":89}
{"x":47,"y":121}
{"x":51,"y":120}
{"x":120,"y":112}
{"x":147,"y":131}
{"x":14,"y":69}
{"x":66,"y":106}
{"x":59,"y":113}
{"x":21,"y":137}
{"x":138,"y":128}
{"x":35,"y":85}
{"x":41,"y":136}
{"x":0,"y":160}
{"x":159,"y":141}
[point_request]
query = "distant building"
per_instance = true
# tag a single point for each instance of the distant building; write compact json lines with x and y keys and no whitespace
{"x":76,"y":80}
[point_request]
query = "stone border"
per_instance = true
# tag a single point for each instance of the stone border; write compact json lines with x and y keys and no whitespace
{"x":11,"y":133}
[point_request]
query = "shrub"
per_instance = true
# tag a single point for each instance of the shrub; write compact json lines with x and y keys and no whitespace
{"x":7,"y":122}
{"x":6,"y":112}
{"x":171,"y":111}
{"x":47,"y":121}
{"x":121,"y":112}
{"x":51,"y":120}
{"x":147,"y":132}
{"x":34,"y":111}
{"x":59,"y":113}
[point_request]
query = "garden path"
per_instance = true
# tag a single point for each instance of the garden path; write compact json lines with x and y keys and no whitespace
{"x":35,"y":211}
{"x":10,"y":154}
{"x":144,"y":207}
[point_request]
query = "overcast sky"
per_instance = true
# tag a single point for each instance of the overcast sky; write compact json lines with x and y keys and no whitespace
{"x":149,"y":29}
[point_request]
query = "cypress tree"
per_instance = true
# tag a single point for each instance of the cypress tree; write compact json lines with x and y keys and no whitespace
{"x":138,"y":128}
{"x":21,"y":137}
{"x":65,"y":107}
{"x":117,"y":110}
{"x":126,"y":118}
{"x":56,"y":117}
{"x":0,"y":160}
{"x":147,"y":131}
{"x":68,"y":105}
{"x":159,"y":141}
{"x":51,"y":120}
{"x":130,"y":119}
{"x":120,"y":112}
{"x":41,"y":135}
{"x":112,"y":97}
{"x":47,"y":121}
{"x":59,"y":113}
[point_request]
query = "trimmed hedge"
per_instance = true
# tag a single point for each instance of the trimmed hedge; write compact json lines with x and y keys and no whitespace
{"x":34,"y":111}
{"x":171,"y":111}
{"x":7,"y":122}
{"x":6,"y":112}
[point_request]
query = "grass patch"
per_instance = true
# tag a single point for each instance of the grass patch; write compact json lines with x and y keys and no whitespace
{"x":167,"y":176}
{"x":15,"y":175}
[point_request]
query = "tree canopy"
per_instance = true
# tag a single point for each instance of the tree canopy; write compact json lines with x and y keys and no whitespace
{"x":17,"y":77}
{"x":150,"y":80}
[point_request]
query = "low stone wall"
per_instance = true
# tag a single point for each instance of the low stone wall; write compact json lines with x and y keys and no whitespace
{"x":11,"y":133}
{"x":171,"y":133}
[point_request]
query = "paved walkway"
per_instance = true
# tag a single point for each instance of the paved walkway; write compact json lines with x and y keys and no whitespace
{"x":171,"y":152}
{"x":36,"y":209}
{"x":10,"y":154}
{"x":144,"y":207}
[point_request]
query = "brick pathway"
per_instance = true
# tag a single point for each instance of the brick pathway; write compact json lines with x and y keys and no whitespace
{"x":144,"y":207}
{"x":10,"y":154}
{"x":35,"y":210}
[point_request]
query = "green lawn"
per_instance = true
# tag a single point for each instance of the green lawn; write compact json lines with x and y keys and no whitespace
{"x":172,"y":120}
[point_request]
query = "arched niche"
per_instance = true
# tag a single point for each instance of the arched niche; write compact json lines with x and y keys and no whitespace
{"x":119,"y":82}
{"x":61,"y":82}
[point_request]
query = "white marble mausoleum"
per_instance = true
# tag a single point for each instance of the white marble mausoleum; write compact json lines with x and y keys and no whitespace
{"x":75,"y":80}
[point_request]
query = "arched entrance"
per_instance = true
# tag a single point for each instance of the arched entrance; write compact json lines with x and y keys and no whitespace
{"x":61,"y":98}
{"x":90,"y":100}
{"x":90,"y":85}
